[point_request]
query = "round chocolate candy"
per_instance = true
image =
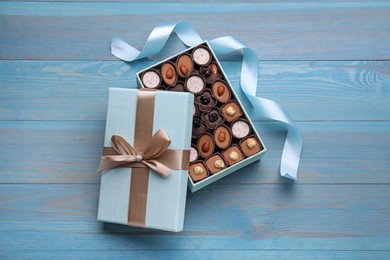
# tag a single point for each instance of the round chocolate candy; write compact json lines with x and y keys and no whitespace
{"x":213,"y":118}
{"x":211,"y":72}
{"x":195,"y":84}
{"x":240,"y":129}
{"x":201,"y":56}
{"x":194,"y":155}
{"x":151,"y":79}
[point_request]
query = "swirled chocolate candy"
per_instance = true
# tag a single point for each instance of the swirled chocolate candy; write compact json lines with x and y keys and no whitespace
{"x":220,"y":91}
{"x":198,"y":127}
{"x":151,"y":79}
{"x":198,"y":171}
{"x":250,"y":146}
{"x":231,"y":111}
{"x":213,"y":118}
{"x":206,"y":145}
{"x":201,"y":56}
{"x":168,"y":73}
{"x":222,"y":137}
{"x":205,"y":101}
{"x":240,"y":129}
{"x":184,"y":65}
{"x":215,"y":163}
{"x":195,"y":84}
{"x":233,"y":155}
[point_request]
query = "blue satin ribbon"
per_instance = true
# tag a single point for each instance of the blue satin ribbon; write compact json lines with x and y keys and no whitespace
{"x":264,"y":108}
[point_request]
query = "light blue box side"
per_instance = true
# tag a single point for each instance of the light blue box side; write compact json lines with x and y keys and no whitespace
{"x":115,"y":184}
{"x":167,"y":195}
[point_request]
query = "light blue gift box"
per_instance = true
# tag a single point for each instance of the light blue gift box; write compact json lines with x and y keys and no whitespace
{"x":213,"y":178}
{"x":166,"y":196}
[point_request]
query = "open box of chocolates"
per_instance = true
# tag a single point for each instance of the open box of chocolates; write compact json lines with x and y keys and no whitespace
{"x":223,"y":137}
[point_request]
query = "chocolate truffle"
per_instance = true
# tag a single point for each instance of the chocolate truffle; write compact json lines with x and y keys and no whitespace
{"x":221,"y":91}
{"x":250,"y":146}
{"x":194,"y":155}
{"x":198,"y":127}
{"x":197,"y":171}
{"x":215,"y":163}
{"x":206,"y":145}
{"x":205,"y":101}
{"x":179,"y":87}
{"x":233,"y":155}
{"x":184,"y":65}
{"x":222,"y":137}
{"x":240,"y":129}
{"x":151,"y":79}
{"x":213,"y":118}
{"x":168,"y":73}
{"x":195,"y":84}
{"x":201,"y":56}
{"x":231,"y":111}
{"x":211,"y":72}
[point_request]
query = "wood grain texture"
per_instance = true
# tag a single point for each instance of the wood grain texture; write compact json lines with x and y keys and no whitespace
{"x":242,"y":217}
{"x":284,"y":31}
{"x":74,"y":90}
{"x":327,"y":63}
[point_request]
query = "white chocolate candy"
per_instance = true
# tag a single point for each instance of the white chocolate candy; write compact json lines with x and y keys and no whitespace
{"x":195,"y":84}
{"x":240,"y":129}
{"x":201,"y":56}
{"x":151,"y":79}
{"x":193,"y":154}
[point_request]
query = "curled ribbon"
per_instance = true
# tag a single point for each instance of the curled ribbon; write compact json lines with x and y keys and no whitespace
{"x":127,"y":156}
{"x":264,"y":108}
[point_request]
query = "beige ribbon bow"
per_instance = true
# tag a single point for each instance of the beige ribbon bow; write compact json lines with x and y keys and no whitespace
{"x":148,"y":156}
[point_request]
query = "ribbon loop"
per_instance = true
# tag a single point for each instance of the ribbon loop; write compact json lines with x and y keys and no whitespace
{"x":129,"y":156}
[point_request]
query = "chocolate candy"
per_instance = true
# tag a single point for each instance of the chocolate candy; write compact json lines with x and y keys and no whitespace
{"x":250,"y":146}
{"x":231,"y":111}
{"x":198,"y":127}
{"x":179,"y":87}
{"x":220,"y":91}
{"x":151,"y":79}
{"x":184,"y":65}
{"x":198,"y":171}
{"x":240,"y":129}
{"x":206,"y":145}
{"x":201,"y":56}
{"x":222,"y":137}
{"x":205,"y":101}
{"x":215,"y":163}
{"x":210,"y":72}
{"x":168,"y":73}
{"x":195,"y":84}
{"x":194,"y":155}
{"x":212,"y":119}
{"x":233,"y":155}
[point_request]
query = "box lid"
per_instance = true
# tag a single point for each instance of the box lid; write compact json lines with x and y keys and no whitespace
{"x":165,"y":196}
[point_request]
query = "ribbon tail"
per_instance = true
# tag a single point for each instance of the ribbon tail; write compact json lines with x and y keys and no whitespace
{"x":158,"y":167}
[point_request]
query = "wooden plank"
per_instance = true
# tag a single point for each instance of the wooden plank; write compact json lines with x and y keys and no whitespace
{"x":194,"y":254}
{"x":243,"y":217}
{"x":77,"y":90}
{"x":276,"y":31}
{"x":69,"y":152}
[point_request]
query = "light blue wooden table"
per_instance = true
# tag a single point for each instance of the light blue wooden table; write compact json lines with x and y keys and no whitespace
{"x":328,"y":64}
